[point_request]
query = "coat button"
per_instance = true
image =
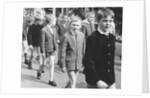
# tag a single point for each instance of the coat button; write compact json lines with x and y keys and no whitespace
{"x":109,"y":54}
{"x":108,"y":70}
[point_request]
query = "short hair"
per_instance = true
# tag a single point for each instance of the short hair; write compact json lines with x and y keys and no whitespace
{"x":64,"y":16}
{"x":103,"y":13}
{"x":49,"y":18}
{"x":71,"y":13}
{"x":90,"y":13}
{"x":76,"y":19}
{"x":39,"y":13}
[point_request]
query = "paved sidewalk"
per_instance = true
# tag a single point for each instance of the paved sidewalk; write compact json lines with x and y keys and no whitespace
{"x":29,"y":79}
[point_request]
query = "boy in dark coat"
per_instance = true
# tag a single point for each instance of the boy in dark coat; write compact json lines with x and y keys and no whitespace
{"x":34,"y":35}
{"x":99,"y":54}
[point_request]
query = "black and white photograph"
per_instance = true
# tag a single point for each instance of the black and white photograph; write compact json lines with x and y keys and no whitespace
{"x":72,"y":47}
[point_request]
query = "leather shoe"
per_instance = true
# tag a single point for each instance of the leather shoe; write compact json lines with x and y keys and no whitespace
{"x":38,"y":75}
{"x":26,"y":61}
{"x":43,"y":71}
{"x":30,"y":65}
{"x":52,"y":83}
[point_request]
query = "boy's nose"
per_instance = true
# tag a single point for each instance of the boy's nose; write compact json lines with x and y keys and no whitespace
{"x":107,"y":24}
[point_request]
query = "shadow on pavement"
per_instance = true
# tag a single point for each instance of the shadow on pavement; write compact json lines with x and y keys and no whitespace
{"x":25,"y":77}
{"x":81,"y":85}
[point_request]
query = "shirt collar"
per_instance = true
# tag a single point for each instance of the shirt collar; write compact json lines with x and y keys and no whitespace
{"x":50,"y":26}
{"x":74,"y":33}
{"x":86,"y":21}
{"x":102,"y":32}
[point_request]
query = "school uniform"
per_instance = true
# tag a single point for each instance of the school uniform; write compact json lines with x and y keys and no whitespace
{"x":88,"y":28}
{"x":48,"y":40}
{"x":62,"y":29}
{"x":34,"y":35}
{"x":99,"y":58}
{"x":26,"y":26}
{"x":72,"y":50}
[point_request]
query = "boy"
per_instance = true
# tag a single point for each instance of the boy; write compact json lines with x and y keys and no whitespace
{"x":27,"y":22}
{"x":48,"y":45}
{"x":62,"y":28}
{"x":89,"y":24}
{"x":72,"y":49}
{"x":34,"y":35}
{"x":99,"y":54}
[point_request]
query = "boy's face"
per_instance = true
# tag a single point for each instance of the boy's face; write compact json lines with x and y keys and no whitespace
{"x":39,"y":22}
{"x":71,"y":17}
{"x":106,"y":23}
{"x":75,"y":25}
{"x":65,"y":18}
{"x":53,"y":22}
{"x":50,"y":19}
{"x":91,"y":18}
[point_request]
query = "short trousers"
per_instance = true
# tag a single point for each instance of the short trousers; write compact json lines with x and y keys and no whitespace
{"x":49,"y":54}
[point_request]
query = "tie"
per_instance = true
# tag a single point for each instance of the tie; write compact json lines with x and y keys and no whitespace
{"x":51,"y":29}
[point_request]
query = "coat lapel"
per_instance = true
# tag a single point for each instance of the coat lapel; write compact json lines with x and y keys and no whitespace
{"x":49,"y":31}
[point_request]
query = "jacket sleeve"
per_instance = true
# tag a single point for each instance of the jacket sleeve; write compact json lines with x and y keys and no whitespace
{"x":88,"y":62}
{"x":63,"y":52}
{"x":58,"y":32}
{"x":84,"y":30}
{"x":42,"y":41}
{"x":83,"y":48}
{"x":29,"y":36}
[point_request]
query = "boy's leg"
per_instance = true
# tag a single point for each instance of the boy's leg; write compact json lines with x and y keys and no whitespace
{"x":31,"y":58}
{"x":51,"y":70}
{"x":59,"y":55}
{"x":25,"y":51}
{"x":68,"y":84}
{"x":72,"y":78}
{"x":42,"y":61}
{"x":113,"y":86}
{"x":77,"y":73}
{"x":36,"y":53}
{"x":52,"y":65}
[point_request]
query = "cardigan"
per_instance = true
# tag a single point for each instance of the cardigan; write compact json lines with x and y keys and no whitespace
{"x":34,"y":35}
{"x":99,"y":58}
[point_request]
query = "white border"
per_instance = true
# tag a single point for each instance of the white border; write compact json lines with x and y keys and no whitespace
{"x":132,"y":47}
{"x":148,"y":36}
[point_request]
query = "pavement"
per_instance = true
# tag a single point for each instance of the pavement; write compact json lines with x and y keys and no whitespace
{"x":29,"y":78}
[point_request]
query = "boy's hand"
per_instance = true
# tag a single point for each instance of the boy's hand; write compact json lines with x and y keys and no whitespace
{"x":58,"y":41}
{"x":63,"y":69}
{"x":101,"y":84}
{"x":43,"y":54}
{"x":31,"y":47}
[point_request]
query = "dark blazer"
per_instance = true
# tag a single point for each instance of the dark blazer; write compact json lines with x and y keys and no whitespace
{"x":99,"y":58}
{"x":72,"y":51}
{"x":34,"y":35}
{"x":48,"y":41}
